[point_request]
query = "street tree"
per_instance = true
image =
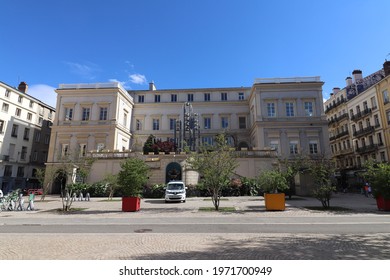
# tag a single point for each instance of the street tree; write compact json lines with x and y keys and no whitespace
{"x":215,"y":166}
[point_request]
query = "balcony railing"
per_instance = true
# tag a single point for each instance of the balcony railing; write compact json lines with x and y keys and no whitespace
{"x":361,"y":114}
{"x":335,"y":104}
{"x":341,"y":134}
{"x":338,"y":118}
{"x":127,"y":154}
{"x":364,"y":131}
{"x":367,"y":149}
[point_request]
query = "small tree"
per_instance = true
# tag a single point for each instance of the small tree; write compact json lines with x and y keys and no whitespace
{"x":273,"y":181}
{"x":148,"y":146}
{"x":111,"y":182}
{"x":132,"y":176}
{"x":215,"y":166}
{"x":322,"y":170}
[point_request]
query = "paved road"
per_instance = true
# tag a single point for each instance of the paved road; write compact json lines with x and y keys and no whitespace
{"x":181,"y":231}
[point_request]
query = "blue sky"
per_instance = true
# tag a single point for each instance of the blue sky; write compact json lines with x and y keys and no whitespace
{"x":189,"y":44}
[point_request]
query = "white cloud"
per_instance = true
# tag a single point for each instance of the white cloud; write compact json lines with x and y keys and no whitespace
{"x":86,"y":71}
{"x":44,"y":93}
{"x":137,"y":79}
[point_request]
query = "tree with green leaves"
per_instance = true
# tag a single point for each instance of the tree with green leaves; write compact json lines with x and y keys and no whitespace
{"x":132,"y":176}
{"x":111,"y":182}
{"x":215,"y":166}
{"x":322,"y":170}
{"x":148,"y":146}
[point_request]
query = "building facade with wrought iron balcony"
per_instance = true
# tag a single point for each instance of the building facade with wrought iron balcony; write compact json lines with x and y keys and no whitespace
{"x":357,"y":126}
{"x":25,"y":126}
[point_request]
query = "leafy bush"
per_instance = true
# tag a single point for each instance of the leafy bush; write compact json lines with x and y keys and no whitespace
{"x":154,"y":191}
{"x":273,"y":181}
{"x":97,"y":189}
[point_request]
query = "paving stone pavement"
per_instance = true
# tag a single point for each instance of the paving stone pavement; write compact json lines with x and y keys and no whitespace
{"x":191,"y":246}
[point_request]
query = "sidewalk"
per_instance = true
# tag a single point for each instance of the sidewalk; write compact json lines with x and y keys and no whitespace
{"x":98,"y":208}
{"x":144,"y":245}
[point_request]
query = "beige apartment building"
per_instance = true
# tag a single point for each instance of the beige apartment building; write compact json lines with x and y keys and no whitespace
{"x":25,"y":124}
{"x":358,"y":125}
{"x":280,"y":117}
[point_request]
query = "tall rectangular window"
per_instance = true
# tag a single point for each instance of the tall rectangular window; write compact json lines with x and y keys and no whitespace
{"x":20,"y":99}
{"x":64,"y":150}
{"x":172,"y":124}
{"x":5,"y":107}
{"x":156,"y":124}
{"x":224,"y":96}
{"x":20,"y":171}
{"x":86,"y":112}
{"x":29,"y":116}
{"x":157,"y":98}
{"x":7,"y":93}
{"x":241,"y":96}
{"x":37,"y":136}
{"x":313,"y":147}
{"x":293,"y":147}
{"x":173,"y":97}
{"x":1,"y":126}
{"x":14,"y":131}
{"x":224,"y":122}
{"x":274,"y":144}
{"x":47,"y":139}
{"x":190,"y":97}
{"x":309,"y":109}
{"x":385,"y":96}
{"x":103,"y":113}
{"x":26,"y":135}
{"x":207,"y":97}
{"x":141,"y":98}
{"x":18,"y":112}
{"x":68,"y":114}
{"x":242,"y":122}
{"x":207,"y":123}
{"x":31,"y":104}
{"x":35,"y":156}
{"x":271,"y":112}
{"x":23,"y":154}
{"x":289,"y":109}
{"x":82,"y":150}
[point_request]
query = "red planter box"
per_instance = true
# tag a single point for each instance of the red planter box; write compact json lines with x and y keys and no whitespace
{"x":383,"y":204}
{"x":131,"y":204}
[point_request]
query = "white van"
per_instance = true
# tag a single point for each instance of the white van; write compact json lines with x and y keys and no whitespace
{"x":175,"y":191}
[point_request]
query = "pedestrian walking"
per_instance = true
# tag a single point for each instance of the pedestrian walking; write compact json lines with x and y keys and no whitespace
{"x":365,"y":189}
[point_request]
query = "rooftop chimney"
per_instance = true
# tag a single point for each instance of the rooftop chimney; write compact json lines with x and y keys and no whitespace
{"x":348,"y":81}
{"x":386,"y":67}
{"x":336,"y":90}
{"x":152,"y":86}
{"x":23,"y":87}
{"x":357,"y":76}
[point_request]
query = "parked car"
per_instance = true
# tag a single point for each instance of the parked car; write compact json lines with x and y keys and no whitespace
{"x":175,"y":191}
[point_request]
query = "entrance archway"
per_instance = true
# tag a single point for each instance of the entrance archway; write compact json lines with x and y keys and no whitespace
{"x":173,"y":172}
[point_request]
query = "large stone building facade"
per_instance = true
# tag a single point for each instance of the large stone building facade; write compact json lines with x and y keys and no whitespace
{"x":25,"y":124}
{"x":282,"y":117}
{"x":358,"y":120}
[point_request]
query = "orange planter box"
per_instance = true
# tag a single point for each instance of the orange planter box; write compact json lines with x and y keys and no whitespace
{"x":275,"y":201}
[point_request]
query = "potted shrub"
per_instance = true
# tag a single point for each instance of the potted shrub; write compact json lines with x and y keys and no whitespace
{"x":131,"y":178}
{"x":273,"y":183}
{"x":378,"y":177}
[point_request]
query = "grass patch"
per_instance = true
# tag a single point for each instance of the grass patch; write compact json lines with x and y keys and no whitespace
{"x":220,"y":209}
{"x":331,"y":208}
